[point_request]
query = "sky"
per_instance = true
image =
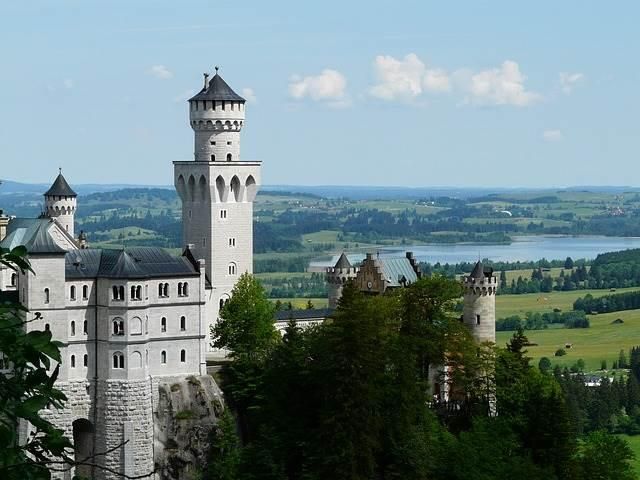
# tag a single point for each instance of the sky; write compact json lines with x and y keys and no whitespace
{"x":404,"y":93}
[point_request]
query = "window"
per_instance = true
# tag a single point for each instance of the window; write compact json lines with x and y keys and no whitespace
{"x":232,"y":269}
{"x":118,"y":360}
{"x":183,"y":356}
{"x":118,"y":326}
{"x":232,"y":242}
{"x":213,"y":142}
{"x":47,"y":327}
{"x":179,"y":289}
{"x":118,"y":292}
{"x":14,"y":280}
{"x":84,"y":327}
{"x":73,"y":361}
{"x":163,"y":290}
{"x":85,"y":292}
{"x":477,"y":319}
{"x":46,"y":295}
{"x":228,"y":143}
{"x":183,"y":323}
{"x":213,"y":158}
{"x":228,"y":157}
{"x":163,"y":357}
{"x":221,"y":304}
{"x":223,"y":214}
{"x":139,"y":292}
{"x":163,"y":324}
{"x":73,"y":328}
{"x":185,"y":289}
{"x":85,"y":360}
{"x":72,"y":292}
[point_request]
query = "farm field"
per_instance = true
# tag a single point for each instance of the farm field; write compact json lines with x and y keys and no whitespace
{"x":603,"y":340}
{"x":507,"y":305}
{"x":301,"y":303}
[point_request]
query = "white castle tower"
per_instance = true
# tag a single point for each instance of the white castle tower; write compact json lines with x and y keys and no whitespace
{"x":337,"y":276}
{"x":60,"y":203}
{"x":479,"y":309}
{"x":217,"y":190}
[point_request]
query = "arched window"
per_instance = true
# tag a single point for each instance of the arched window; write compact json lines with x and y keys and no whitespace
{"x":115,"y":292}
{"x":46,"y":295}
{"x":185,"y":289}
{"x":73,"y":361}
{"x":183,"y":323}
{"x":213,"y":158}
{"x":85,"y":292}
{"x":133,"y":292}
{"x":135,"y":326}
{"x":72,"y":292}
{"x":85,"y":360}
{"x":14,"y":280}
{"x":118,"y":326}
{"x":179,"y":289}
{"x":139,"y":292}
{"x":163,"y":324}
{"x":228,"y":157}
{"x":160,"y":290}
{"x":232,"y":268}
{"x":221,"y":304}
{"x":183,"y":356}
{"x":47,"y":327}
{"x":73,"y":328}
{"x":165,"y":290}
{"x":163,"y":357}
{"x":118,"y":360}
{"x":84,"y":327}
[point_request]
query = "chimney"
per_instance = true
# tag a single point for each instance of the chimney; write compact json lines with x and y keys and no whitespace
{"x":206,"y":81}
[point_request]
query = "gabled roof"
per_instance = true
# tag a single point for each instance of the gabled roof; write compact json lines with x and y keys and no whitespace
{"x":217,"y":90}
{"x":397,"y":271}
{"x":34,"y":234}
{"x":343,"y":262}
{"x":130,"y":263}
{"x":60,"y":188}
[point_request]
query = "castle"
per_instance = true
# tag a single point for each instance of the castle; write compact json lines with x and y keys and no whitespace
{"x":134,"y":323}
{"x":134,"y":320}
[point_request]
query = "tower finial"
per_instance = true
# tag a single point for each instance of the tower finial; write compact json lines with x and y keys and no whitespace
{"x":217,"y":68}
{"x":206,"y":80}
{"x":60,"y":170}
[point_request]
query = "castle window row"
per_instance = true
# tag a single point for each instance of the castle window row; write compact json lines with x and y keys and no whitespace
{"x":183,"y":324}
{"x":183,"y":289}
{"x":163,"y":357}
{"x":73,"y":291}
{"x":85,"y":361}
{"x":73,"y":328}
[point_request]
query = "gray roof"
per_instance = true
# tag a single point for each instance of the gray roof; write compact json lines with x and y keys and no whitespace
{"x":60,"y":188}
{"x":130,"y":263}
{"x":480,"y":271}
{"x":217,"y":90}
{"x":33,"y":233}
{"x":397,"y":270}
{"x":343,"y":262}
{"x":306,"y":314}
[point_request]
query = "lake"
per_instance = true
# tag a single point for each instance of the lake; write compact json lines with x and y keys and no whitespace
{"x":524,"y":248}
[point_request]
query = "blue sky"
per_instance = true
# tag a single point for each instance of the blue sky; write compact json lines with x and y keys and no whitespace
{"x":398,"y":93}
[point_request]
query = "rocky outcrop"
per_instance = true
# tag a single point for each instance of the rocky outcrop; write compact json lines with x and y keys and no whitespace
{"x":186,"y":413}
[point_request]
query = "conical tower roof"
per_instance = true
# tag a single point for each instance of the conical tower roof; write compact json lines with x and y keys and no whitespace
{"x":343,"y":262}
{"x":218,"y":90}
{"x":60,"y":188}
{"x":478,"y":270}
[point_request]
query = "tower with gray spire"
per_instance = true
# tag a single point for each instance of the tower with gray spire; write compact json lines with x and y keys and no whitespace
{"x":337,"y":276}
{"x":60,"y":203}
{"x":217,"y":189}
{"x":479,"y":312}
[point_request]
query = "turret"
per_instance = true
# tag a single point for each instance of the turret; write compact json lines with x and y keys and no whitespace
{"x":216,"y":115}
{"x":337,"y":276}
{"x":479,"y":312}
{"x":60,"y":203}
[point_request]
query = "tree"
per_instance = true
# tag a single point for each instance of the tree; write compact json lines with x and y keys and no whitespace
{"x":28,"y":390}
{"x":602,"y":456}
{"x":544,"y":365}
{"x":568,"y":263}
{"x":310,"y":305}
{"x":224,"y":451}
{"x":246,"y":322}
{"x":503,"y":280}
{"x":622,"y":360}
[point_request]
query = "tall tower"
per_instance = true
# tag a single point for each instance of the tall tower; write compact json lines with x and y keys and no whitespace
{"x":479,"y":312}
{"x":60,"y":203}
{"x":337,"y":276}
{"x":217,"y":190}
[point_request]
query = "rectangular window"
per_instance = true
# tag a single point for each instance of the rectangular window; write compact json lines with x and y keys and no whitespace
{"x":477,"y":319}
{"x":223,"y":214}
{"x":228,"y":143}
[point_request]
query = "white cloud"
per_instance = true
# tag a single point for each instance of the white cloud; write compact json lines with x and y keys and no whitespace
{"x":249,"y":95}
{"x":503,"y":85}
{"x":329,"y":87}
{"x":437,"y":80}
{"x":68,"y":83}
{"x":569,"y":80}
{"x":552,"y":135}
{"x":161,"y":72}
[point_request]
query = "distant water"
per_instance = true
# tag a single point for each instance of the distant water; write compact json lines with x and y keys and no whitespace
{"x":525,"y":248}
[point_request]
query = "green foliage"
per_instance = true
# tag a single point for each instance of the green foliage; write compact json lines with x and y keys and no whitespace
{"x":605,"y":457}
{"x":544,"y":365}
{"x":224,"y":451}
{"x":185,"y":415}
{"x":246,"y":322}
{"x":27,"y":390}
{"x":561,"y":352}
